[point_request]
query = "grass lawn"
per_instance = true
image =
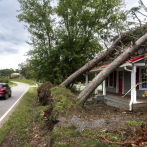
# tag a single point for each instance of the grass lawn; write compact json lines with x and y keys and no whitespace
{"x":19,"y":123}
{"x":29,"y":82}
{"x":11,"y":84}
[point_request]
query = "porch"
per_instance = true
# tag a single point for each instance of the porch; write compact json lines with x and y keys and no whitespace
{"x":116,"y":100}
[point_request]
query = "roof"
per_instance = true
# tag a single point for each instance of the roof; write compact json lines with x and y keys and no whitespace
{"x":103,"y":66}
{"x":133,"y":60}
{"x":15,"y":74}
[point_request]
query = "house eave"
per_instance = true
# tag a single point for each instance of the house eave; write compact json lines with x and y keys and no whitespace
{"x":126,"y":64}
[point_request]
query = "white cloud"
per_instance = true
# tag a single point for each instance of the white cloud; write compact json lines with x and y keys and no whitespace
{"x":13,"y":37}
{"x":134,"y":3}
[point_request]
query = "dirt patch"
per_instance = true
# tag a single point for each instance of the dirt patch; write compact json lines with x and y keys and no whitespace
{"x":108,"y":119}
{"x":103,"y":116}
{"x":80,"y":123}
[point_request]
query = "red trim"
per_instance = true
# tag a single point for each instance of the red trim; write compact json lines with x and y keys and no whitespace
{"x":114,"y":78}
{"x":107,"y":82}
{"x":135,"y":59}
{"x":131,"y":60}
{"x":103,"y":66}
{"x":137,"y":77}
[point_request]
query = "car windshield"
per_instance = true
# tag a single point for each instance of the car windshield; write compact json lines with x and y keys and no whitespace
{"x":1,"y":86}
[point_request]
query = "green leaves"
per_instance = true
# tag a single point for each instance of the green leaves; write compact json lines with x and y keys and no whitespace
{"x":60,"y":49}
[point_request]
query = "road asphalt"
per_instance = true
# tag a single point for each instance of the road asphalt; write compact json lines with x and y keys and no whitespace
{"x":9,"y":105}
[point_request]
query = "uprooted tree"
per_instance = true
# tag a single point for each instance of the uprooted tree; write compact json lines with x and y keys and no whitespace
{"x":84,"y":95}
{"x":91,"y":63}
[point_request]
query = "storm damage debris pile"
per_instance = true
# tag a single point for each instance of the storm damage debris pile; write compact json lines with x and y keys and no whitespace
{"x":44,"y":93}
{"x":137,"y":137}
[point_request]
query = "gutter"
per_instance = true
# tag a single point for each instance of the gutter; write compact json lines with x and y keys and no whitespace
{"x":127,"y":69}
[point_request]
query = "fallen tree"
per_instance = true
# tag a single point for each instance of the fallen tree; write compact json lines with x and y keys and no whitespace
{"x":91,"y":63}
{"x":84,"y":95}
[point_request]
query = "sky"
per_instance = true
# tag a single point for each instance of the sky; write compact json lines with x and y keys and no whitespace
{"x":13,"y":36}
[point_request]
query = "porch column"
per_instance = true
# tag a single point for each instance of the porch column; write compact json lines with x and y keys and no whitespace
{"x":133,"y":83}
{"x":96,"y":90}
{"x":86,"y":78}
{"x":104,"y":87}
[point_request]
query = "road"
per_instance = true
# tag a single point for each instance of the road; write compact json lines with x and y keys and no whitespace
{"x":78,"y":87}
{"x":9,"y":105}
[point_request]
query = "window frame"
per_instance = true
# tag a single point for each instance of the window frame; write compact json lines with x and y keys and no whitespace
{"x":140,"y":78}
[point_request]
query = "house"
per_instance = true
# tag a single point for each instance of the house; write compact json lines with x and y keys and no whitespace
{"x":119,"y":89}
{"x":15,"y":74}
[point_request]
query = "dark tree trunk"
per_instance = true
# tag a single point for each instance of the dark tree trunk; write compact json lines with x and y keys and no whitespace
{"x":90,"y":64}
{"x":84,"y":95}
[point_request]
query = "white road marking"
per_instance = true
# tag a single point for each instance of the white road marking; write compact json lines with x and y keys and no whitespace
{"x":13,"y":105}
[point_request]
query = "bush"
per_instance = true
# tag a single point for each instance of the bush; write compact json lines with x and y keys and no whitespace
{"x":4,"y":80}
{"x":15,"y":77}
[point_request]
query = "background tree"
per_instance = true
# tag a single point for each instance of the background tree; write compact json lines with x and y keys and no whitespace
{"x":6,"y":72}
{"x":84,"y":24}
{"x":25,"y":70}
{"x":60,"y":49}
{"x":37,"y":15}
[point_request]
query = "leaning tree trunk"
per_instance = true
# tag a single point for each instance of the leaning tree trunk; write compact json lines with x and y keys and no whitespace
{"x":84,"y":95}
{"x":90,"y":64}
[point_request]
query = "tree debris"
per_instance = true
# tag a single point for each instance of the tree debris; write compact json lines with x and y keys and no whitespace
{"x":139,"y":138}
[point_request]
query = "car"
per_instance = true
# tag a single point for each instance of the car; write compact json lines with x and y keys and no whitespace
{"x":5,"y":90}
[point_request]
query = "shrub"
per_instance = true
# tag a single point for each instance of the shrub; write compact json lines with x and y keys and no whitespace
{"x":4,"y":80}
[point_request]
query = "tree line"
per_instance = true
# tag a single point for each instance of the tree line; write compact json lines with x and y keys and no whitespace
{"x":7,"y":72}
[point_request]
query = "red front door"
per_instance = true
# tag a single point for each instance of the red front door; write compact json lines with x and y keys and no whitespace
{"x":120,"y":81}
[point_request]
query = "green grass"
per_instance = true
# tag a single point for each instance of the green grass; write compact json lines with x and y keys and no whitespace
{"x":29,"y":82}
{"x":43,"y":126}
{"x":133,"y":123}
{"x":11,"y":84}
{"x":72,"y":127}
{"x":63,"y":99}
{"x":68,"y":136}
{"x":19,"y":123}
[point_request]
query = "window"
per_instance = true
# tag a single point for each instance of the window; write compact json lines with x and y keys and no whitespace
{"x":143,"y":86}
{"x":111,"y":80}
